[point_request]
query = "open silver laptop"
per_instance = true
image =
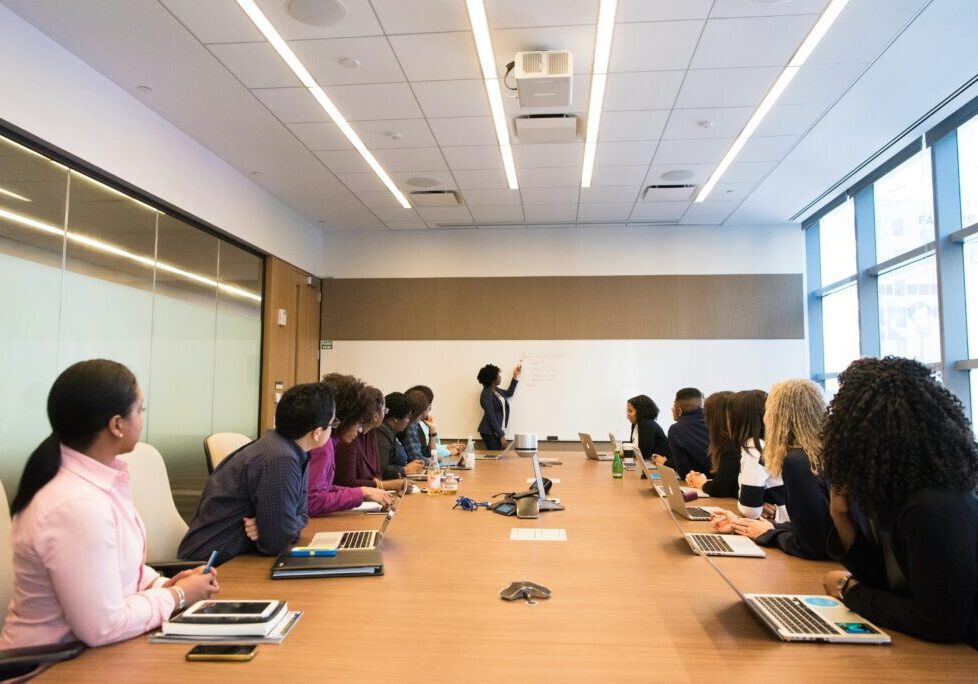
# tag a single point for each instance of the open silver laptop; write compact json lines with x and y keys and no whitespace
{"x":359,"y":540}
{"x":805,"y":617}
{"x":590,"y":450}
{"x":651,"y":473}
{"x":674,"y":496}
{"x":496,"y":457}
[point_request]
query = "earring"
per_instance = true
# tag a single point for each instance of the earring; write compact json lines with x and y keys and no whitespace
{"x":118,"y":434}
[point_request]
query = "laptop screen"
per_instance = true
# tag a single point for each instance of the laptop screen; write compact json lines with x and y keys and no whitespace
{"x":541,"y":492}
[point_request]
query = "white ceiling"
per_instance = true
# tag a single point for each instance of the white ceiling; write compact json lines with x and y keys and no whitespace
{"x":685,"y":76}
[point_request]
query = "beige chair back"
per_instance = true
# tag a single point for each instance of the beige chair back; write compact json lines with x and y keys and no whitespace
{"x":220,"y":445}
{"x":151,"y":493}
{"x":6,"y":558}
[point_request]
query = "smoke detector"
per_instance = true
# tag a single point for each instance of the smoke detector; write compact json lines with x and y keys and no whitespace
{"x":543,"y":78}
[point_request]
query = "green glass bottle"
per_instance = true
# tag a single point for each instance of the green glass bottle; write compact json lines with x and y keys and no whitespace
{"x":617,"y":467}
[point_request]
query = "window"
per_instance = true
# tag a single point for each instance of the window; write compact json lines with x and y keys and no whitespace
{"x":971,"y":294}
{"x":904,"y":205}
{"x":968,"y":172}
{"x":909,"y":322}
{"x":840,"y":328}
{"x":837,"y":243}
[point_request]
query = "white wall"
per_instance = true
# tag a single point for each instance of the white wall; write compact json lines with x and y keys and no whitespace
{"x":47,"y":91}
{"x":566,"y":251}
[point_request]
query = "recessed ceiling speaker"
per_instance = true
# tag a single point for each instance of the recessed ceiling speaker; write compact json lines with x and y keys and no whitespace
{"x":317,"y":12}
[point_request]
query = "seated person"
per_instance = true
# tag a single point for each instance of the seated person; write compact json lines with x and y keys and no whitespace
{"x":689,"y":438}
{"x":79,"y":546}
{"x":901,"y":457}
{"x":266,"y":481}
{"x":412,"y":437}
{"x":358,"y":463}
{"x":648,"y":439}
{"x":354,"y":408}
{"x":390,"y":452}
{"x":429,"y":428}
{"x":793,"y":417}
{"x":723,"y":451}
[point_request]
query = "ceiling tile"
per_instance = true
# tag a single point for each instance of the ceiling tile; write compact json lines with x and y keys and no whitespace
{"x":256,"y":65}
{"x":519,"y":13}
{"x":291,"y":105}
{"x":491,"y":197}
{"x":625,"y":153}
{"x":421,"y":16}
{"x":446,"y":214}
{"x":769,"y":148}
{"x":473,"y":157}
{"x":701,"y":172}
{"x":662,"y":211}
{"x":394,"y":133}
{"x":635,"y":125}
{"x":555,"y":177}
{"x":362,"y":182}
{"x":479,"y":178}
{"x":463,"y":130}
{"x":359,"y":21}
{"x":610,"y":194}
{"x":320,"y":136}
{"x":497,"y":213}
{"x":414,"y":159}
{"x":861,"y":32}
{"x":747,"y":172}
{"x":550,"y":212}
{"x":749,"y":8}
{"x":399,"y":214}
{"x":662,"y":10}
{"x":607,"y":212}
{"x":711,"y":208}
{"x":732,"y":191}
{"x":715,"y":122}
{"x":617,"y":175}
{"x":708,"y":151}
{"x":643,"y":90}
{"x":430,"y":180}
{"x":380,"y":199}
{"x":550,"y":195}
{"x":437,"y":56}
{"x":820,"y":83}
{"x":322,"y":57}
{"x":726,"y":87}
{"x":578,"y":39}
{"x":654,"y":46}
{"x":789,"y":119}
{"x":707,"y":220}
{"x":751,"y":42}
{"x":452,"y":98}
{"x":415,"y":224}
{"x":361,"y":101}
{"x":548,"y":155}
{"x":214,"y":22}
{"x":344,"y":162}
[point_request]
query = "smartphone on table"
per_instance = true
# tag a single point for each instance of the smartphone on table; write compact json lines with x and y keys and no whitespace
{"x":222,"y":652}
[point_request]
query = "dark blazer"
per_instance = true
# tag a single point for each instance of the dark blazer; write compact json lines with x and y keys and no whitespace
{"x":724,"y":482}
{"x":807,"y":502}
{"x":493,"y":420}
{"x":651,"y":439}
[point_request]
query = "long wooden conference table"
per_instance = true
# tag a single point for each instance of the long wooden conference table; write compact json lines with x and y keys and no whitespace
{"x":630,"y":602}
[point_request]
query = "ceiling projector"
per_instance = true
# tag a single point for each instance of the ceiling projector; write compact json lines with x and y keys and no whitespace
{"x":543,"y":78}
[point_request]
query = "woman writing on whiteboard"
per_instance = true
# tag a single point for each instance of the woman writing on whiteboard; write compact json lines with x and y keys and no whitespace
{"x":495,"y":405}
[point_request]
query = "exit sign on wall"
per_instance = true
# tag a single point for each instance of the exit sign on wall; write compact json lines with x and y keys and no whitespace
{"x":325,"y":344}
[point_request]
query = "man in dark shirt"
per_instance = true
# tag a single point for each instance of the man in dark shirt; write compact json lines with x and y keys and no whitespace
{"x":266,"y":480}
{"x":689,"y":438}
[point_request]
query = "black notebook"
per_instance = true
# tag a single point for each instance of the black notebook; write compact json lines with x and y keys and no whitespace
{"x":351,"y":563}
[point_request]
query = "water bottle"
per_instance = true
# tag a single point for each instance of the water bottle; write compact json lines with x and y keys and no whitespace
{"x":449,"y":484}
{"x":469,"y":461}
{"x":434,"y":477}
{"x":617,"y":467}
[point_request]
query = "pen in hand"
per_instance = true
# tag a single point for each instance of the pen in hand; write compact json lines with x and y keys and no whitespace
{"x":210,"y":562}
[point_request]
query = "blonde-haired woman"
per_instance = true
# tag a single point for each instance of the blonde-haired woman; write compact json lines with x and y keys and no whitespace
{"x":793,"y":417}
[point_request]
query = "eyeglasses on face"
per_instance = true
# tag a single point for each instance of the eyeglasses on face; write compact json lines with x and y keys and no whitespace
{"x":335,"y":423}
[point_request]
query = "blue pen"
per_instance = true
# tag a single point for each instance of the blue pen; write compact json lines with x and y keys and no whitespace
{"x":210,"y":562}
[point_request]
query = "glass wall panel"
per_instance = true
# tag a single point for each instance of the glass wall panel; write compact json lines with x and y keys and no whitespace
{"x":184,"y":318}
{"x":904,"y":203}
{"x":840,"y":326}
{"x":909,"y":321}
{"x":971,"y":295}
{"x":32,"y":211}
{"x":837,"y":243}
{"x":968,"y":171}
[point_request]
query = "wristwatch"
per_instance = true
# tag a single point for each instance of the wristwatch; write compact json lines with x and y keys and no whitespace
{"x":841,"y":586}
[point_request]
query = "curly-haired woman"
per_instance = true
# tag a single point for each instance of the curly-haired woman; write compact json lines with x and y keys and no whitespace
{"x":902,"y":461}
{"x":495,"y":405}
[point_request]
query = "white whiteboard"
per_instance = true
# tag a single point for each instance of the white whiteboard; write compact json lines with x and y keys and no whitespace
{"x":568,"y":386}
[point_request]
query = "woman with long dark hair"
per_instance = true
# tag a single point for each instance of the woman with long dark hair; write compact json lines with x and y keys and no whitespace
{"x":723,"y":451}
{"x":901,"y":459}
{"x":79,"y":545}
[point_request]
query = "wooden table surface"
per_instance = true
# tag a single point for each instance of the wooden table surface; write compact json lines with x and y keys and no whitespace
{"x":630,"y":603}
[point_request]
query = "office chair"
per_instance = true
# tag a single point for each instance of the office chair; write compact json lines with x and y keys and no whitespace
{"x":17,"y":662}
{"x":220,"y":445}
{"x":165,"y":529}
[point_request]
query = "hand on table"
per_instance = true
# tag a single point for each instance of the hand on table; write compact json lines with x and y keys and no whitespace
{"x":751,"y":528}
{"x":722,"y":521}
{"x":380,"y":496}
{"x":695,"y":479}
{"x":659,"y":460}
{"x":414,"y":467}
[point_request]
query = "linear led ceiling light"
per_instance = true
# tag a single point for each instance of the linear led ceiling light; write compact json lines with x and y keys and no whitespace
{"x":818,"y":32}
{"x":262,"y":23}
{"x":109,"y":248}
{"x":599,"y":76}
{"x":483,"y":45}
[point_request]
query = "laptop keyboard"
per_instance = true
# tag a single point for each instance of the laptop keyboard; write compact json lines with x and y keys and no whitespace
{"x":363,"y":539}
{"x":711,"y":544}
{"x":794,"y":615}
{"x":697,"y":512}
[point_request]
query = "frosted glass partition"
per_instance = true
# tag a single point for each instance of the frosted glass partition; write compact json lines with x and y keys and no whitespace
{"x":87,"y":272}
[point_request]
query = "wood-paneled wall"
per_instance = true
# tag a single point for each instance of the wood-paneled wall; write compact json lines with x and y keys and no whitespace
{"x":742,"y":306}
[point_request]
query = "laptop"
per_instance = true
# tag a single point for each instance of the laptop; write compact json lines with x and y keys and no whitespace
{"x":531,"y":506}
{"x":674,"y":496}
{"x":357,"y":552}
{"x":656,"y":481}
{"x":496,"y":457}
{"x":590,"y":450}
{"x":803,"y":617}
